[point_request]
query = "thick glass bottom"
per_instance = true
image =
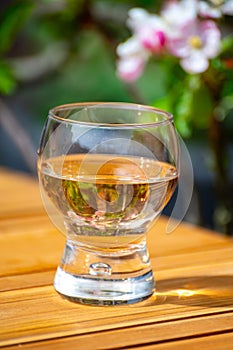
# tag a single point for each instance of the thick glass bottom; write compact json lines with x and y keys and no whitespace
{"x":104,"y":291}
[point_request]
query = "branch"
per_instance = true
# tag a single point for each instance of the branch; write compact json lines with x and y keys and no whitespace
{"x":18,"y":135}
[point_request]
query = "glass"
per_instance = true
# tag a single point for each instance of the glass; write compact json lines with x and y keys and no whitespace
{"x":106,"y":171}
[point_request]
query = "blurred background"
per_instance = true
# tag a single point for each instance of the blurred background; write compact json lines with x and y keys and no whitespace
{"x":61,"y":51}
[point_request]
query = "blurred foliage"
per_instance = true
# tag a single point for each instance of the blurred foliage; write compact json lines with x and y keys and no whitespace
{"x":60,"y":51}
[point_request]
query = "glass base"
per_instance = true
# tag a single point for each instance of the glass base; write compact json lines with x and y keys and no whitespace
{"x":96,"y":291}
{"x":104,"y":278}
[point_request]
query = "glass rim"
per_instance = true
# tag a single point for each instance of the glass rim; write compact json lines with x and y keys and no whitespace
{"x":123,"y":105}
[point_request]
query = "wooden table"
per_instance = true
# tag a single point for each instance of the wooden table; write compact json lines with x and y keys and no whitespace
{"x":192,"y":308}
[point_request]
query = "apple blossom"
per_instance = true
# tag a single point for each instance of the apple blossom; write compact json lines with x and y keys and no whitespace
{"x":132,"y":59}
{"x":177,"y":13}
{"x":215,"y":9}
{"x":199,"y":42}
{"x":148,"y":37}
{"x":179,"y":30}
{"x":227,"y":7}
{"x":130,"y":69}
{"x":149,"y":29}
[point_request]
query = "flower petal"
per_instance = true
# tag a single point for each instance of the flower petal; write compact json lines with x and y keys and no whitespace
{"x":195,"y":63}
{"x":177,"y":13}
{"x":211,"y":38}
{"x":227,"y":7}
{"x":137,"y":18}
{"x":152,"y":39}
{"x":130,"y":69}
{"x":208,"y":11}
{"x":131,"y":47}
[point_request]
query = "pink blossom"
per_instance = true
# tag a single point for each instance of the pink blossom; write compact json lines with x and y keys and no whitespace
{"x":177,"y":13}
{"x":132,"y":59}
{"x":178,"y":30}
{"x":148,"y":38}
{"x":227,"y":7}
{"x":215,"y":9}
{"x":149,"y":29}
{"x":199,"y":42}
{"x":130,"y":69}
{"x":152,"y":39}
{"x":208,"y":11}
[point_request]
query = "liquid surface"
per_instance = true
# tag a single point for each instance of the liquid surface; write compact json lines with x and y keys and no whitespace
{"x":105,"y":199}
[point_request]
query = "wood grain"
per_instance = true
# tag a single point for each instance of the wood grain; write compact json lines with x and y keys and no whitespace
{"x":20,"y":196}
{"x":191,"y":309}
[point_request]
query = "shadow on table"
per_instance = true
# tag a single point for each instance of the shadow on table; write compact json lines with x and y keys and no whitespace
{"x":206,"y":291}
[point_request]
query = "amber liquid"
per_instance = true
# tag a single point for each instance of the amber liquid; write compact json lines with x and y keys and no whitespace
{"x":107,"y":200}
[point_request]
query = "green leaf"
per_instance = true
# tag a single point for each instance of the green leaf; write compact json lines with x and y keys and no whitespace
{"x":227,"y":44}
{"x":7,"y":81}
{"x":163,"y":103}
{"x":183,"y":106}
{"x":12,"y":21}
{"x":202,"y":107}
{"x":183,"y":113}
{"x":194,"y":106}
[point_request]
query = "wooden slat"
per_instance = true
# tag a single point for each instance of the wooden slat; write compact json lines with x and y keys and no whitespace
{"x":30,"y":251}
{"x":56,"y":319}
{"x":222,"y":341}
{"x":20,"y":195}
{"x":27,"y":280}
{"x":155,"y":332}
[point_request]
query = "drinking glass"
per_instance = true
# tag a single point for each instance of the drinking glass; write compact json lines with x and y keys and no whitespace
{"x":106,"y":171}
